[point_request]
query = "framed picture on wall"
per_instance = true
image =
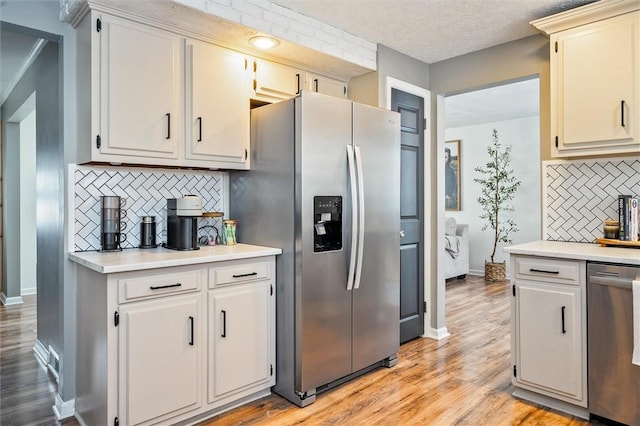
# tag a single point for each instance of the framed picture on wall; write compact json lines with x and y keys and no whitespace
{"x":452,"y":175}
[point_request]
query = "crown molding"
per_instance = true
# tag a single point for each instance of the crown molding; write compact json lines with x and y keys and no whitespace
{"x":584,"y":15}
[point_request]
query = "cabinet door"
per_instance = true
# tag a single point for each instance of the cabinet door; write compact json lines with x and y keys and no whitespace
{"x":217,"y":105}
{"x":596,"y":76}
{"x":274,"y":82}
{"x":239,"y":338}
{"x":326,"y":85}
{"x":549,"y":337}
{"x":140,"y":90}
{"x":159,"y":358}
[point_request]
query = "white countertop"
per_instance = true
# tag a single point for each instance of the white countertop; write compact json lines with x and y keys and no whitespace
{"x":579,"y":251}
{"x":139,"y":259}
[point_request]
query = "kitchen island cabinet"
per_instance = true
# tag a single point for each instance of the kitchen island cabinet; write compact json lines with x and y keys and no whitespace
{"x":548,"y":327}
{"x":152,"y":344}
{"x":595,"y":83}
{"x":549,"y":320}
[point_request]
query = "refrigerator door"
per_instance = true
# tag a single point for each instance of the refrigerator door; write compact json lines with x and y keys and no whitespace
{"x":323,"y":305}
{"x":376,"y":297}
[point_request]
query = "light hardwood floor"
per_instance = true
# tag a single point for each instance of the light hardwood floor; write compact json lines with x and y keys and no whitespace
{"x":461,"y":380}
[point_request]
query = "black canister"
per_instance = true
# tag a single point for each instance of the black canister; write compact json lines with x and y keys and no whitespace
{"x":148,"y":232}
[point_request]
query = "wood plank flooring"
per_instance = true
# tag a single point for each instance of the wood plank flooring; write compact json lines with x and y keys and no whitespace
{"x":461,"y":380}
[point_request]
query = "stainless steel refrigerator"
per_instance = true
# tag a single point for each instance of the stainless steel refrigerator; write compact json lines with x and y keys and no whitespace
{"x":324,"y":186}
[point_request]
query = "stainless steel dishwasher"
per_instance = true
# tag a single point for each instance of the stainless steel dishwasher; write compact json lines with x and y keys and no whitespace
{"x":614,"y":382}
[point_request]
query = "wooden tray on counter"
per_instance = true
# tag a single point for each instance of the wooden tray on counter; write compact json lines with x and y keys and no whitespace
{"x":607,"y":242}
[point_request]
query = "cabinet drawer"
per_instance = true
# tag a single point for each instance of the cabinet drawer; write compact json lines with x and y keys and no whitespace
{"x":548,"y":270}
{"x":159,"y":284}
{"x":238,"y":273}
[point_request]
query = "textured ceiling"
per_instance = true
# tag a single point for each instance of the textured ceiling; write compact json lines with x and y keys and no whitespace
{"x":433,"y":30}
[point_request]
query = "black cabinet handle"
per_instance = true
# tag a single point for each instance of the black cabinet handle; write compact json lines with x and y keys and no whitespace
{"x":564,"y":330}
{"x":191,"y":341}
{"x":250,"y":274}
{"x":622,"y":104}
{"x":224,"y":323}
{"x":543,"y":271}
{"x":315,"y":81}
{"x":199,"y":129}
{"x":168,"y":125}
{"x":298,"y":77}
{"x":158,"y":287}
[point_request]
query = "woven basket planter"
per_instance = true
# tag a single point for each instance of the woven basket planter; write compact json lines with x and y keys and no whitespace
{"x":495,"y":271}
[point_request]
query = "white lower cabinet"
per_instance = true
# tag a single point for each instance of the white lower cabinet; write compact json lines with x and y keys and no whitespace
{"x":160,"y":358}
{"x":160,"y":346}
{"x":549,"y":328}
{"x":239,"y":336}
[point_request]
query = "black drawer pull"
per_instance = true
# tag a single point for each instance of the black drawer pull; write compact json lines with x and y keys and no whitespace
{"x":224,"y":323}
{"x":250,"y":274}
{"x":622,"y":105}
{"x":191,"y":341}
{"x":168,"y":115}
{"x":159,"y":287}
{"x":543,"y":271}
{"x":564,"y":330}
{"x":199,"y":129}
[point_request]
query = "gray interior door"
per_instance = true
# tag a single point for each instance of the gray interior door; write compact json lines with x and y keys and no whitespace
{"x":411,"y":109}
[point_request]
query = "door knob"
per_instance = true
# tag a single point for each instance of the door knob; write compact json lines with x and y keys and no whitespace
{"x":401,"y":234}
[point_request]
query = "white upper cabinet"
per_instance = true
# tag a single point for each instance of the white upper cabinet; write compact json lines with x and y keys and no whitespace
{"x":595,"y":79}
{"x":217,"y":106}
{"x":140,"y":91}
{"x":275,"y":82}
{"x":328,"y":86}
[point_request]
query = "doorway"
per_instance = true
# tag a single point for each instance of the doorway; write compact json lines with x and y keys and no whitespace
{"x":33,"y":181}
{"x":513,"y":109}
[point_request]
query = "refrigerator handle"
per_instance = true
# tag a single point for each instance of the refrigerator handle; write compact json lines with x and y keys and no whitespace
{"x":354,"y":216}
{"x":360,"y":216}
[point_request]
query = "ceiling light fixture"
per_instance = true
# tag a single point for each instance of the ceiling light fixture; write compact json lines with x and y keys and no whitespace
{"x":263,"y":42}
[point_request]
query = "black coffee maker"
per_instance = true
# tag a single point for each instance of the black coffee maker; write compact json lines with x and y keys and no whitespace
{"x":182,"y":222}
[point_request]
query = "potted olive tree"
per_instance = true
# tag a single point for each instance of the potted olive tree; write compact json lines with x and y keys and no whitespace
{"x":498,"y":187}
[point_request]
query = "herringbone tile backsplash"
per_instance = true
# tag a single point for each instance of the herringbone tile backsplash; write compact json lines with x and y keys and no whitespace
{"x":579,"y":195}
{"x":146,"y":194}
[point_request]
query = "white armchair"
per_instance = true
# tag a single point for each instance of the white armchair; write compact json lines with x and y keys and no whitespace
{"x":456,"y":256}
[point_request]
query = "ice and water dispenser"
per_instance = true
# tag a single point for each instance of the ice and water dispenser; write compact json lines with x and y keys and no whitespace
{"x":327,"y":223}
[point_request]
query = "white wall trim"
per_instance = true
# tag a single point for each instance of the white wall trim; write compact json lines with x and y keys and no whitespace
{"x":7,"y":301}
{"x":33,"y":55}
{"x":41,"y":352}
{"x":393,"y":83}
{"x":64,"y":409}
{"x":437,"y":333}
{"x":28,"y":291}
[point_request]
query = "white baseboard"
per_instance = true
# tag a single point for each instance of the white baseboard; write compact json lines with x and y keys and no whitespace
{"x":41,"y":352}
{"x":64,"y":409}
{"x":28,"y":291}
{"x":6,"y":301}
{"x":437,"y":333}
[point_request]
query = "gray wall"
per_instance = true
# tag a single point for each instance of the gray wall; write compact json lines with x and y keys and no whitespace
{"x":41,"y":18}
{"x":11,"y":210}
{"x":370,"y":88}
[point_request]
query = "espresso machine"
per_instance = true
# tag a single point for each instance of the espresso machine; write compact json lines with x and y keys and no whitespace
{"x":182,"y":222}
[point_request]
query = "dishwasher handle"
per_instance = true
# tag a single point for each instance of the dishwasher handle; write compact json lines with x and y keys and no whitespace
{"x":611,"y":280}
